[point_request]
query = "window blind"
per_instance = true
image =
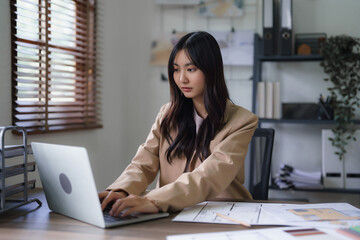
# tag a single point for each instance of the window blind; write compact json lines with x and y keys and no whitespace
{"x":54,"y":85}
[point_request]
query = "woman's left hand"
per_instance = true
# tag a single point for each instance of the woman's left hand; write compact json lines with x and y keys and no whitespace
{"x":131,"y":204}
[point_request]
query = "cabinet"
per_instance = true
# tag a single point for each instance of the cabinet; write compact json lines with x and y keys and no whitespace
{"x":259,"y":59}
{"x":11,"y":171}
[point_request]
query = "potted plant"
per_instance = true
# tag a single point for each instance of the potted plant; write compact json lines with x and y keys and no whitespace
{"x":342,"y":63}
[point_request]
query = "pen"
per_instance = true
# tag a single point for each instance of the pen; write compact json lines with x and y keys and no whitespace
{"x":245,"y":224}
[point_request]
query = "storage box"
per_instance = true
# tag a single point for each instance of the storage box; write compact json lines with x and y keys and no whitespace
{"x":313,"y":41}
{"x":332,"y":167}
{"x":300,"y":110}
{"x":344,"y":173}
{"x":352,"y":163}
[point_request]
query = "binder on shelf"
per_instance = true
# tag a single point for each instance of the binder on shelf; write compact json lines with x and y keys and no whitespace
{"x":268,"y":28}
{"x":332,"y":167}
{"x":285,"y":29}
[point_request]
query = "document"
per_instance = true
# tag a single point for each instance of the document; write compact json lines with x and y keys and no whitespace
{"x":328,"y":215}
{"x":289,"y":177}
{"x":206,"y":212}
{"x":280,"y":233}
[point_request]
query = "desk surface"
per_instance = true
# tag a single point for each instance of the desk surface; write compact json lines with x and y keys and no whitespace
{"x":33,"y":222}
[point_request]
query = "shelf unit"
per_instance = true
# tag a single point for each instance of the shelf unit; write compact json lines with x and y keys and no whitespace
{"x":11,"y":170}
{"x":257,"y":72}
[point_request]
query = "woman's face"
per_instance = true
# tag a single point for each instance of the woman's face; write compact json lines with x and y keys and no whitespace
{"x":189,"y":79}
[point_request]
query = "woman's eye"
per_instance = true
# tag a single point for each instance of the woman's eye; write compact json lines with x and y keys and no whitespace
{"x":176,"y":70}
{"x":192,"y":69}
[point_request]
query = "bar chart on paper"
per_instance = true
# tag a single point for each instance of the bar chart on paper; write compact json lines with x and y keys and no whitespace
{"x":329,"y":215}
{"x":280,"y":233}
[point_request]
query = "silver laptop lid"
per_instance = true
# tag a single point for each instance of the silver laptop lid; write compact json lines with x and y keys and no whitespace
{"x":68,"y":182}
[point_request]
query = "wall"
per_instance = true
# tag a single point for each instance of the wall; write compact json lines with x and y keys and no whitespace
{"x":133,"y":93}
{"x":108,"y":147}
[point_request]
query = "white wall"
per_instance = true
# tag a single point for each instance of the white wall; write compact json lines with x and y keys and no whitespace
{"x":132,"y":91}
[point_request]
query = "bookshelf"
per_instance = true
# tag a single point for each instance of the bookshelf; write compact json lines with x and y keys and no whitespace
{"x":257,"y":77}
{"x":257,"y":70}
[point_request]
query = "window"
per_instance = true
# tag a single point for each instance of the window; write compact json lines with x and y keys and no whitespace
{"x":54,"y":85}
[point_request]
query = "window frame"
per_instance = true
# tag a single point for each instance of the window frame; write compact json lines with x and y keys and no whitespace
{"x":62,"y":103}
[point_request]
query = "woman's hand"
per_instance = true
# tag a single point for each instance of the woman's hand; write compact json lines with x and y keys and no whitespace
{"x":132,"y":204}
{"x":107,"y":197}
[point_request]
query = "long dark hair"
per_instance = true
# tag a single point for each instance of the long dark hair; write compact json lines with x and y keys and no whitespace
{"x":204,"y":52}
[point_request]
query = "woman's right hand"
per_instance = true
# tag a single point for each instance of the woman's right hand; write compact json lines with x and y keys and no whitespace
{"x":107,"y":197}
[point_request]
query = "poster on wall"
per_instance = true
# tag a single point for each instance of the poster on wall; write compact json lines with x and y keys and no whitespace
{"x":162,"y":46}
{"x":211,"y":8}
{"x":237,"y":48}
{"x":178,"y":2}
{"x":221,"y":8}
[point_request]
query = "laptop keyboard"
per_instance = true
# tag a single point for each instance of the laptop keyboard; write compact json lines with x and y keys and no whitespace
{"x":111,"y":219}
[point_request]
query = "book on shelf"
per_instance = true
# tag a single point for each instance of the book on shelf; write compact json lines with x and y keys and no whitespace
{"x":268,"y":97}
{"x":261,"y":99}
{"x":289,"y":177}
{"x":276,"y":101}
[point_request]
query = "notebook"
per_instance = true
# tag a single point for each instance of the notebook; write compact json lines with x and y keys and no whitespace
{"x":69,"y":186}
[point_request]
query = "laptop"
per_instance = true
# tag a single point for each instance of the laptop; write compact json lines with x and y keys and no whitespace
{"x":69,"y":186}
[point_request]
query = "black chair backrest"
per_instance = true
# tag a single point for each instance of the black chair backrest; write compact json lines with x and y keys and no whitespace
{"x":259,"y":190}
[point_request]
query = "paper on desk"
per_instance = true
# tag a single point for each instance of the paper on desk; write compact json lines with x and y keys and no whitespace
{"x":332,"y":215}
{"x":205,"y":212}
{"x":327,"y":215}
{"x":279,"y":233}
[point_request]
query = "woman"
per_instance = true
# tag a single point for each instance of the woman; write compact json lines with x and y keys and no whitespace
{"x":198,"y":142}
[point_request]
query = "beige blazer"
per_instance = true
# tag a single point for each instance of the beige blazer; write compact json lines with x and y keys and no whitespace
{"x":221,"y":175}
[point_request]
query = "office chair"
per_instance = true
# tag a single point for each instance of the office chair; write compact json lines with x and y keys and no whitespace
{"x":260,"y":162}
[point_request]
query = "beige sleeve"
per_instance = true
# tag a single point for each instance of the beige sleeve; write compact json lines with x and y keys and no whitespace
{"x":214,"y":175}
{"x":144,"y":166}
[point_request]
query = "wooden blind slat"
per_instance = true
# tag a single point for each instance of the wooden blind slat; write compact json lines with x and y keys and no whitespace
{"x":54,"y":104}
{"x":32,"y":110}
{"x":25,"y":59}
{"x":54,"y":116}
{"x":62,"y":25}
{"x":78,"y":23}
{"x":75,"y":51}
{"x":28,"y":2}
